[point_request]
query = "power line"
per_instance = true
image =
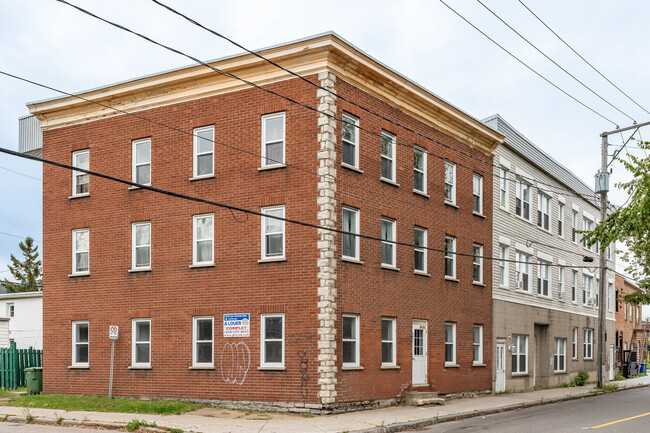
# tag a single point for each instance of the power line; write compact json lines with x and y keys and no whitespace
{"x":21,"y":174}
{"x":583,"y":59}
{"x":253,"y":212}
{"x":19,"y":237}
{"x":526,"y":65}
{"x":555,"y":63}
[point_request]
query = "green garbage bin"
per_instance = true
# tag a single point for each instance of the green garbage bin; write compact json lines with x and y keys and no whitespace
{"x":34,"y":380}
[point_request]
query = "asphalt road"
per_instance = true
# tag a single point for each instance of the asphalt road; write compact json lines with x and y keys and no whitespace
{"x":620,"y":412}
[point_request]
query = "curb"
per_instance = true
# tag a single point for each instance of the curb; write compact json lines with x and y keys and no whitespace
{"x":78,"y":423}
{"x":425,"y":422}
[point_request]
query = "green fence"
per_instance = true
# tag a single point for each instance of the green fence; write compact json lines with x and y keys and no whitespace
{"x":13,"y":363}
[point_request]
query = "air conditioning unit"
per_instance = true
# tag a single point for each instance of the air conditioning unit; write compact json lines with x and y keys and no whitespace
{"x":520,"y":285}
{"x":591,"y":302}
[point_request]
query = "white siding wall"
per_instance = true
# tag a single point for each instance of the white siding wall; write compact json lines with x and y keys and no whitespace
{"x":26,"y":327}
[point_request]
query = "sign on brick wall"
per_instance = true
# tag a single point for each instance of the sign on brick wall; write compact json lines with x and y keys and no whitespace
{"x":237,"y":325}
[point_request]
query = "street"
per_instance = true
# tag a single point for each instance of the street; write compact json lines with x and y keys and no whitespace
{"x":627,"y":411}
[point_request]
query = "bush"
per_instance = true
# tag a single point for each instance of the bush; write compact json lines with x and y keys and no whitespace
{"x":581,"y":378}
{"x":619,"y":376}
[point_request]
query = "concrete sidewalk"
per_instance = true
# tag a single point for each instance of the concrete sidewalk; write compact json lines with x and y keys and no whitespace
{"x":381,"y":420}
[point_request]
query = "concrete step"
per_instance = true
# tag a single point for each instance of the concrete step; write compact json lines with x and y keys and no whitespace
{"x":420,"y":398}
{"x":15,"y":394}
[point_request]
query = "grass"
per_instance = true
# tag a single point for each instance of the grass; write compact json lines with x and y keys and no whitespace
{"x":103,"y":404}
{"x":7,"y":393}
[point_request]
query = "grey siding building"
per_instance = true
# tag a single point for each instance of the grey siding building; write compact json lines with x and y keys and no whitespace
{"x":545,"y":300}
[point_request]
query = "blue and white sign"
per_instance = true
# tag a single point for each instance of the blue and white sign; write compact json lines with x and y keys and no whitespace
{"x":237,"y":325}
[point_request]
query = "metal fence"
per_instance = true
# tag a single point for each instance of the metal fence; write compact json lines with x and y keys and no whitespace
{"x":13,"y":363}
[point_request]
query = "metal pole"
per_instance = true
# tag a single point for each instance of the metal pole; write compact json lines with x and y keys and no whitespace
{"x":602,"y":302}
{"x":110,"y":383}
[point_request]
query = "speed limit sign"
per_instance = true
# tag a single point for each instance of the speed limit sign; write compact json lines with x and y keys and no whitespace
{"x":113,"y":331}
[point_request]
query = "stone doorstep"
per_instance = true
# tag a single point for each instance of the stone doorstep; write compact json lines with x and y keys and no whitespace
{"x":416,"y":398}
{"x":15,"y":394}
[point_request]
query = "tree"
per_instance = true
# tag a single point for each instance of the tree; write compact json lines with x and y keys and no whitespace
{"x":28,"y":272}
{"x":630,"y":225}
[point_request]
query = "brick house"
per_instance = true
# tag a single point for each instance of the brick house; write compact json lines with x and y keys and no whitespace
{"x":237,"y":308}
{"x":630,"y":334}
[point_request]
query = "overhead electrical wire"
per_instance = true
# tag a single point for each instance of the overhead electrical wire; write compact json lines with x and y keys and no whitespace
{"x":19,"y":237}
{"x":21,"y":174}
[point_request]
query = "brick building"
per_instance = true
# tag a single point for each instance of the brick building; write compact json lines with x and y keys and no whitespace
{"x":226,"y":306}
{"x":630,"y":334}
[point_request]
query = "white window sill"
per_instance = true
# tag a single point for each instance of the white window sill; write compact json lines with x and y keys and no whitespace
{"x":477,"y":283}
{"x":79,"y":274}
{"x":559,"y":372}
{"x":520,"y":374}
{"x":478,"y":364}
{"x":201,"y":367}
{"x":421,"y":273}
{"x":388,"y":181}
{"x":390,"y":367}
{"x":454,"y":279}
{"x":271,"y":167}
{"x":480,"y":215}
{"x":351,"y":167}
{"x":139,"y":367}
{"x":272,"y":368}
{"x":205,"y":176}
{"x":351,"y":260}
{"x":351,"y":368}
{"x":79,"y":367}
{"x":451,"y":365}
{"x":148,"y":269}
{"x":389,"y":267}
{"x":539,"y":295}
{"x":202,"y":265}
{"x":523,"y":291}
{"x":272,"y":259}
{"x":503,"y":286}
{"x":524,"y":219}
{"x":133,"y":187}
{"x":504,"y":209}
{"x":451,"y":204}
{"x":423,"y":194}
{"x":72,"y":197}
{"x":544,"y":230}
{"x":419,"y":385}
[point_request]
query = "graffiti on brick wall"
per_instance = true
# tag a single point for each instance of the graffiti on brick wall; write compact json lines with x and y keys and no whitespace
{"x":304,"y":377}
{"x":235,"y":361}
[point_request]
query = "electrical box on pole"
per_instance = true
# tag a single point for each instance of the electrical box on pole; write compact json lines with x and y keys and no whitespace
{"x":602,"y":182}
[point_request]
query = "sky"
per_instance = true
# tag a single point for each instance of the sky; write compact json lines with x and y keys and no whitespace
{"x":49,"y":42}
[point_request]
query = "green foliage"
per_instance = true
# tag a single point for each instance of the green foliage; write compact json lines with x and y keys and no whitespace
{"x":611,"y":388}
{"x":28,"y":272}
{"x":619,"y":377}
{"x":580,"y":380}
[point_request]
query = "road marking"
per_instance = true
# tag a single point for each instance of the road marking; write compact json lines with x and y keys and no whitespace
{"x":621,"y":420}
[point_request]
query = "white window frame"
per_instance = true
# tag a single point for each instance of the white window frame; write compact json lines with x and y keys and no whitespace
{"x":134,"y":246}
{"x":544,"y":211}
{"x":518,"y":354}
{"x":74,"y":251}
{"x":77,"y":174}
{"x":265,"y":142}
{"x":11,"y":309}
{"x":588,"y":344}
{"x":423,"y":170}
{"x":195,"y":240}
{"x":350,"y":119}
{"x":134,"y":343}
{"x":574,"y":226}
{"x":522,"y":269}
{"x":574,"y":286}
{"x":392,"y":341}
{"x":477,"y":346}
{"x":560,"y":282}
{"x":574,"y":343}
{"x":450,"y":343}
{"x":559,"y":355}
{"x":477,"y":261}
{"x":266,"y":211}
{"x":503,"y":266}
{"x":544,"y":278}
{"x":560,"y":220}
{"x":356,"y":340}
{"x":521,"y":186}
{"x":263,"y":340}
{"x":195,"y":341}
{"x":587,"y":289}
{"x":422,"y":250}
{"x":450,"y":255}
{"x":450,"y":166}
{"x":587,"y":225}
{"x":196,"y":154}
{"x":136,"y":164}
{"x":390,"y":241}
{"x":477,"y":193}
{"x":392,"y":157}
{"x":610,"y":297}
{"x":503,"y":188}
{"x":356,"y":239}
{"x":75,"y":343}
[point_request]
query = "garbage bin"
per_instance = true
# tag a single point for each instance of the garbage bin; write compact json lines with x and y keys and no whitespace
{"x":642,"y":367}
{"x":34,"y":380}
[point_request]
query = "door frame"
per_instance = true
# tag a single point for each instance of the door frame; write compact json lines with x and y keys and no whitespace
{"x":502,"y":345}
{"x":425,"y":355}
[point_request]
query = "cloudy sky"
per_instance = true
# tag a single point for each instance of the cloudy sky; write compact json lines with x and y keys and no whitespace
{"x":51,"y":43}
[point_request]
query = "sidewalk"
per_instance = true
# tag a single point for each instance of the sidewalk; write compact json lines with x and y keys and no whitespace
{"x":391,"y":419}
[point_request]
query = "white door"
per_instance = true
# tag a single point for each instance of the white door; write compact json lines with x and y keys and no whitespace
{"x":611,"y":362}
{"x":419,"y":352}
{"x":500,"y":382}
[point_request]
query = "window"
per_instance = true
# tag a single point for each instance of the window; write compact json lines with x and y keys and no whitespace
{"x":503,"y":266}
{"x":519,"y":354}
{"x":616,"y":301}
{"x":560,"y":220}
{"x":522,"y":206}
{"x":80,"y":251}
{"x":543,"y":211}
{"x":350,"y":138}
{"x":80,"y":342}
{"x":574,"y":343}
{"x":559,"y":355}
{"x":351,"y":225}
{"x":478,"y":344}
{"x":522,"y":271}
{"x":574,"y":227}
{"x":450,"y":182}
{"x":450,"y":343}
{"x":204,"y":151}
{"x":388,"y":253}
{"x":388,"y":156}
{"x":142,"y":161}
{"x":587,"y":290}
{"x":543,"y":278}
{"x":596,"y":292}
{"x":350,"y":340}
{"x":574,"y":286}
{"x":141,"y":245}
{"x":477,"y":194}
{"x":503,"y":188}
{"x":477,"y":263}
{"x":203,"y":341}
{"x":560,"y":282}
{"x":587,"y":226}
{"x":450,"y":256}
{"x":11,"y":309}
{"x":81,"y":180}
{"x":589,"y":343}
{"x":420,"y":170}
{"x":272,"y":350}
{"x":388,"y":337}
{"x":273,"y":139}
{"x":203,"y":239}
{"x":141,"y":343}
{"x":420,"y":250}
{"x":273,"y":233}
